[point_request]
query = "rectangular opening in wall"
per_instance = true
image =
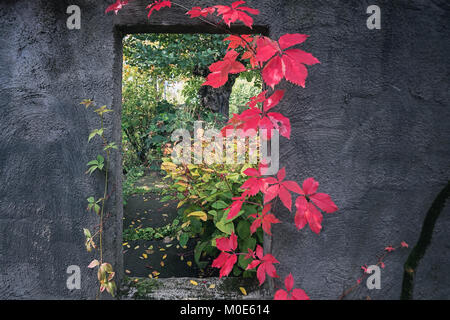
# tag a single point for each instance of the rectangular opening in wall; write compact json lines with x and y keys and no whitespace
{"x":173,"y":212}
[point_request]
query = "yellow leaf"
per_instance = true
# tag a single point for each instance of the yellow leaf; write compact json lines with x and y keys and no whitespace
{"x":162,"y":263}
{"x":194,"y":282}
{"x":199,"y":214}
{"x":164,"y":256}
{"x":145,"y":255}
{"x":212,"y":286}
{"x":125,"y":243}
{"x":181,"y":183}
{"x":189,"y":263}
{"x":168,"y":166}
{"x":184,"y":225}
{"x":181,"y":203}
{"x":137,"y":247}
{"x":243,"y":291}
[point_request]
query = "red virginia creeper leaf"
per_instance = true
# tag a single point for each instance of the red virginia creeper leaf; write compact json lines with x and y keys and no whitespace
{"x":221,"y":69}
{"x":158,"y":5}
{"x":116,"y":6}
{"x":227,"y":258}
{"x":289,"y":293}
{"x":289,"y":64}
{"x":196,"y":12}
{"x":235,"y":13}
{"x":281,"y":189}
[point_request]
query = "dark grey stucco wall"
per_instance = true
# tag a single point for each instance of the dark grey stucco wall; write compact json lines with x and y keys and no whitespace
{"x":372,"y":126}
{"x":46,"y":70}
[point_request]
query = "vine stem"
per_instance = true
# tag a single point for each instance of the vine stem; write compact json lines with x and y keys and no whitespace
{"x":105,"y":194}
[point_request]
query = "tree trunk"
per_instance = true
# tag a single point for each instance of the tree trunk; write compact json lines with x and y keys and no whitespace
{"x":216,"y":100}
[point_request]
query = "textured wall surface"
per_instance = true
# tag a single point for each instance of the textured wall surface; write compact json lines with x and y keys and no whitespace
{"x":372,"y":126}
{"x":45,"y":71}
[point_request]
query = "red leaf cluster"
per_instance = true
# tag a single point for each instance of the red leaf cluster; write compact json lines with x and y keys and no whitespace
{"x":289,"y":64}
{"x":290,"y":293}
{"x":252,"y":119}
{"x":235,"y":13}
{"x":221,"y":69}
{"x":263,"y":262}
{"x":230,"y":14}
{"x":227,"y":258}
{"x":116,"y":6}
{"x":281,"y":189}
{"x":265,"y":219}
{"x":307,"y":211}
{"x":158,"y":5}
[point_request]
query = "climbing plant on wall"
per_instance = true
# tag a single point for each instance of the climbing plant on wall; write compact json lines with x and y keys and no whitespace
{"x":275,"y":60}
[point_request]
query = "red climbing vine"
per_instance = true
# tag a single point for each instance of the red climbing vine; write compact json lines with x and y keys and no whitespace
{"x":276,"y":60}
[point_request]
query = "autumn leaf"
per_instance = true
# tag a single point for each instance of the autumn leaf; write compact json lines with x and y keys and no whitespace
{"x":238,"y":41}
{"x":235,"y":13}
{"x":307,"y":211}
{"x":256,"y":183}
{"x":290,"y":293}
{"x":264,"y":264}
{"x":227,"y":258}
{"x":289,"y":64}
{"x":199,"y":214}
{"x":93,"y":263}
{"x":196,"y":12}
{"x":282,"y":189}
{"x":158,"y":5}
{"x":195,"y":283}
{"x":116,"y":6}
{"x":235,"y":207}
{"x":252,"y":119}
{"x":265,"y":219}
{"x":221,"y":69}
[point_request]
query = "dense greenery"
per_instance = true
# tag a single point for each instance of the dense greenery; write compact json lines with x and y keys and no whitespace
{"x":204,"y":192}
{"x":151,"y":112}
{"x":151,"y":108}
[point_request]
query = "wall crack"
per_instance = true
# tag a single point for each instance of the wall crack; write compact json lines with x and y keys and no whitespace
{"x":422,"y":244}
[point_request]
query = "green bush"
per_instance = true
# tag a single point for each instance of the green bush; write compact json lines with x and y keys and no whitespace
{"x":204,"y":192}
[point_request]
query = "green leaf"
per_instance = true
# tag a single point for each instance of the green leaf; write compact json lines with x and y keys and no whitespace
{"x":184,"y":237}
{"x":225,"y":226}
{"x":249,"y":243}
{"x":87,"y":233}
{"x":91,"y":169}
{"x":92,"y":162}
{"x":199,"y":248}
{"x":243,"y":229}
{"x":95,"y":132}
{"x":242,"y":262}
{"x":111,"y":145}
{"x":219,"y":205}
